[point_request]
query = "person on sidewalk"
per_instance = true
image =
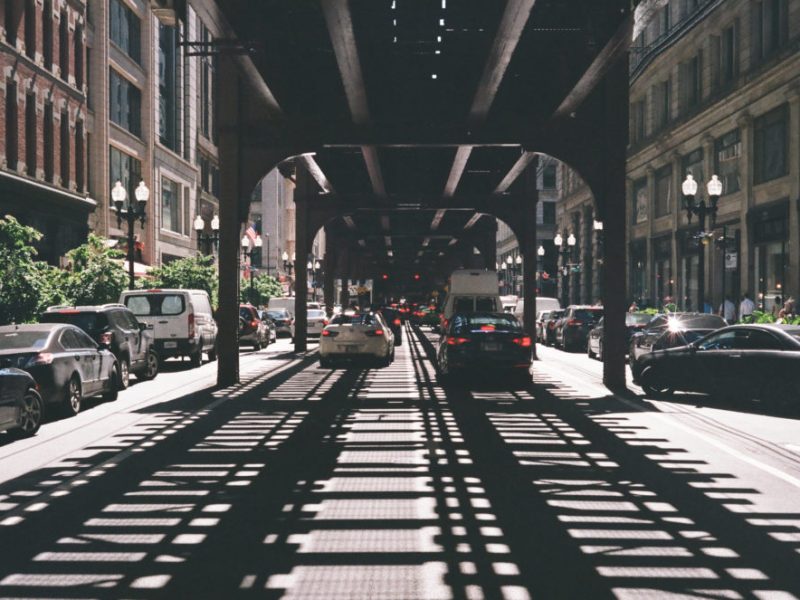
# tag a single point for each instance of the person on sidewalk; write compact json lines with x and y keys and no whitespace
{"x":727,"y":310}
{"x":746,"y":308}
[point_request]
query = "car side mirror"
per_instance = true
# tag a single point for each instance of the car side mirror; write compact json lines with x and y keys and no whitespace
{"x":143,"y":326}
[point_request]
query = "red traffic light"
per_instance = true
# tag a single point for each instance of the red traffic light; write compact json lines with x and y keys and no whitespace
{"x":416,"y":276}
{"x":385,"y":276}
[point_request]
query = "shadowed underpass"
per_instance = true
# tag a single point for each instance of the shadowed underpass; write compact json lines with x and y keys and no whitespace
{"x":379,"y":483}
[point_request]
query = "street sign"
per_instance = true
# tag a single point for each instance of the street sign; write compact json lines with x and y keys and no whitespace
{"x":731,"y":261}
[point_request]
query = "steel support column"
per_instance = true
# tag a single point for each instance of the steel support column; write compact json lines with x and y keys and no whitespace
{"x":303,"y":240}
{"x":329,"y":263}
{"x":528,"y":246}
{"x":230,"y":156}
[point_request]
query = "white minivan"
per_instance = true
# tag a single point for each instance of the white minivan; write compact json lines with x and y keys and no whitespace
{"x":183,"y":321}
{"x":471,"y":290}
{"x":542,"y":303}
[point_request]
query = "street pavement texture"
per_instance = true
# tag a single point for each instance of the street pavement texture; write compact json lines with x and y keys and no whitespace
{"x":362,"y":483}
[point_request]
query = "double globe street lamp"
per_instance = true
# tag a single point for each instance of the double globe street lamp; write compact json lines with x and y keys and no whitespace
{"x":130,"y":213}
{"x":252,"y":253}
{"x":566,"y":252}
{"x":698,"y":207}
{"x":313,"y":267}
{"x":208,"y":240}
{"x":513,"y":264}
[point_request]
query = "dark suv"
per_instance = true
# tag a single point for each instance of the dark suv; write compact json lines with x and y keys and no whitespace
{"x":114,"y":325}
{"x":572,"y":330}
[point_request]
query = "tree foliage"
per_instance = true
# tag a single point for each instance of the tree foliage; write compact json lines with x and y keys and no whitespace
{"x":264,"y":288}
{"x":95,"y":275}
{"x":20,"y":283}
{"x":193,"y":272}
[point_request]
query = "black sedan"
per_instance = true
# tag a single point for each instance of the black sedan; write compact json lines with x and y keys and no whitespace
{"x":65,"y":362}
{"x":634,"y":323}
{"x":670,"y":331}
{"x":394,"y":320}
{"x":282,"y":319}
{"x":740,"y":361}
{"x":21,"y":407}
{"x":483,"y":344}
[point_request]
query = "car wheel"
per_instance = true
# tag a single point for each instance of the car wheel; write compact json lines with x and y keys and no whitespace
{"x":653,"y":386}
{"x":325,"y":363}
{"x":196,"y":358}
{"x":124,"y":373}
{"x":600,"y":351}
{"x":115,"y":384}
{"x":589,"y":352}
{"x":256,"y":345}
{"x":30,"y":418}
{"x":151,"y":369}
{"x":212,"y":352}
{"x":72,"y":396}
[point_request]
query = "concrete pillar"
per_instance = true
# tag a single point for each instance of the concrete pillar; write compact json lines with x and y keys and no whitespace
{"x":792,"y":278}
{"x":303,"y":242}
{"x":745,"y":123}
{"x":528,"y":245}
{"x":230,"y":158}
{"x":329,"y":262}
{"x":707,"y":252}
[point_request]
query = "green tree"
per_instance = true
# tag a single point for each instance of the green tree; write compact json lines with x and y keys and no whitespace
{"x":20,"y":283}
{"x":95,"y":275}
{"x":264,"y":288}
{"x":193,"y":272}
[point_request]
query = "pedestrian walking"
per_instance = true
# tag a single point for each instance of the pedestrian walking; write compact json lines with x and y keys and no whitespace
{"x":727,"y":310}
{"x":777,"y":306}
{"x":746,"y":308}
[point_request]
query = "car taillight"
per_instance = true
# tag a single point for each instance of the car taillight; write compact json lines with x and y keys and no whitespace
{"x":105,"y":338}
{"x":253,"y":323}
{"x":487,"y":327}
{"x":574,"y":322}
{"x":191,"y":326}
{"x":456,"y":341}
{"x":329,"y":333}
{"x":324,"y":322}
{"x":524,"y":341}
{"x":397,"y":322}
{"x":43,"y":358}
{"x":374,"y":333}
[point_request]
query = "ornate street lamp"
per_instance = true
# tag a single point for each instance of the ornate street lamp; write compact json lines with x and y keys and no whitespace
{"x":702,"y":210}
{"x":209,"y":240}
{"x":130,"y":214}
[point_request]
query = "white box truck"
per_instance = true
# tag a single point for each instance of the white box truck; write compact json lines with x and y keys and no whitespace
{"x":471,"y":290}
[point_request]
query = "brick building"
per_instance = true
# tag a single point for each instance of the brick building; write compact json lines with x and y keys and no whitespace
{"x":45,"y":123}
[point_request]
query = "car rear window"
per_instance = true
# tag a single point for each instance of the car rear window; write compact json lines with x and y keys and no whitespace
{"x":155,"y":305}
{"x":316,"y":314}
{"x":469,"y":323}
{"x":88,"y":321}
{"x":637,"y":319}
{"x":278,"y":314}
{"x":357,"y":319}
{"x":246,"y":313}
{"x":10,"y":340}
{"x":588,"y":314}
{"x":556,"y":314}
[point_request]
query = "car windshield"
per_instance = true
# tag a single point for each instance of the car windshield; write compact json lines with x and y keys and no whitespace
{"x":637,"y":319}
{"x":245,"y":312}
{"x":588,"y":314}
{"x":88,"y":321}
{"x":556,"y":314}
{"x":355,"y":319}
{"x":474,"y":323}
{"x":278,"y":314}
{"x":684,"y":321}
{"x":155,"y":305}
{"x":11,"y":340}
{"x":316,"y":314}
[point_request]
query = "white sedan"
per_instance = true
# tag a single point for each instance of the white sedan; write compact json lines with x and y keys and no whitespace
{"x":317,"y":319}
{"x":359,"y":335}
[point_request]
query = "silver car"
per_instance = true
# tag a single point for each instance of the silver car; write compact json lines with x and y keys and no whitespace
{"x":317,"y":320}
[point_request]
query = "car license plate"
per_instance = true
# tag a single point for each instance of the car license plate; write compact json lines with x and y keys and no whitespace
{"x":490,"y":346}
{"x":170,"y":344}
{"x":348,"y":348}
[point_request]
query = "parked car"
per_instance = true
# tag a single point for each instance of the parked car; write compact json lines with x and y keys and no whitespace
{"x":634,"y":322}
{"x":395,"y":322}
{"x":484,"y":344}
{"x":182,"y":321}
{"x":252,"y":330}
{"x":316,"y":320}
{"x":549,"y":327}
{"x":542,"y":303}
{"x":113,"y":325}
{"x":282,"y":319}
{"x":740,"y":361}
{"x":65,"y":362}
{"x":21,"y":406}
{"x":541,"y":318}
{"x":427,"y":316}
{"x":573,"y":328}
{"x":356,"y":336}
{"x":670,"y":331}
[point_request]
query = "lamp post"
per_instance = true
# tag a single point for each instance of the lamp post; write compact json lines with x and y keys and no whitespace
{"x":565,"y":252}
{"x":266,"y":235}
{"x":597,"y":226}
{"x":207,"y":239}
{"x":509,"y":267}
{"x":130,"y":213}
{"x":313,"y":267}
{"x":702,"y":210}
{"x":517,"y":267}
{"x":251,"y":252}
{"x":539,"y":267}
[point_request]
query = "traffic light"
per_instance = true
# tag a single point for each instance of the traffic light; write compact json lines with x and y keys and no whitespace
{"x":416,"y":276}
{"x":385,"y":276}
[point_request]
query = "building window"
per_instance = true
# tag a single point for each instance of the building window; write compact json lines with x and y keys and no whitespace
{"x":207,"y":68}
{"x":126,"y":169}
{"x":30,"y":134}
{"x":728,"y":150}
{"x":549,"y":177}
{"x":125,"y":101}
{"x":770,"y":260}
{"x":80,"y":180}
{"x":167,"y":90}
{"x":47,"y":34}
{"x":49,"y":141}
{"x":693,"y":163}
{"x":662,"y":98}
{"x":65,"y":143}
{"x":663,"y":191}
{"x":78,"y":43}
{"x":640,"y":203}
{"x":638,"y":130}
{"x":11,"y":22}
{"x":170,"y":205}
{"x":125,"y":30}
{"x":769,"y":21}
{"x":729,"y":54}
{"x":549,"y":213}
{"x":12,"y":137}
{"x":30,"y":28}
{"x":691,"y":78}
{"x":770,"y":145}
{"x":63,"y":46}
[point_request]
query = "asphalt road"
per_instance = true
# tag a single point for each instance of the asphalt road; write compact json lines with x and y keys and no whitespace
{"x":323,"y":484}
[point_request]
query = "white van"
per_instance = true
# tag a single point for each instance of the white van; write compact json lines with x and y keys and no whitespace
{"x":183,"y":322}
{"x":472,"y":290}
{"x":542,"y":303}
{"x":286,"y":302}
